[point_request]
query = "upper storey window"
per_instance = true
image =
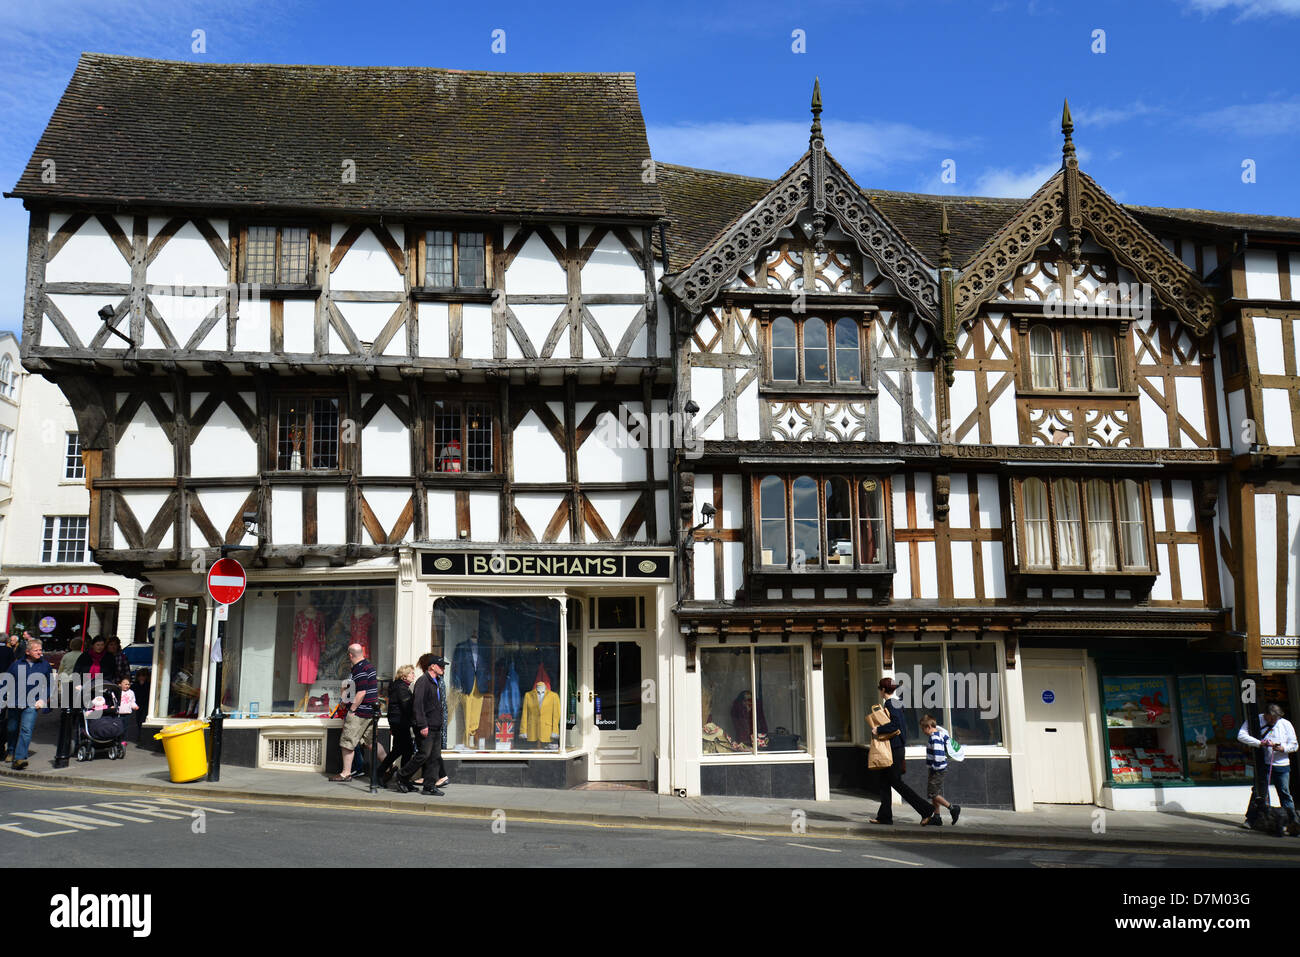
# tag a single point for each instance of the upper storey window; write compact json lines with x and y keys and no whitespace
{"x":1073,"y":359}
{"x":1092,"y":525}
{"x":307,"y":432}
{"x":453,"y":258}
{"x":820,"y":352}
{"x":814,"y":521}
{"x":278,"y":255}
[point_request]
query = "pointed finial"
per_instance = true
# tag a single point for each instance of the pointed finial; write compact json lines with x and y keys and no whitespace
{"x":816,"y":132}
{"x":945,"y":254}
{"x":1067,"y":128}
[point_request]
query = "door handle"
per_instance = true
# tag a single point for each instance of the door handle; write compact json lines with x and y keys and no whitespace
{"x":591,"y":696}
{"x":1050,"y":730}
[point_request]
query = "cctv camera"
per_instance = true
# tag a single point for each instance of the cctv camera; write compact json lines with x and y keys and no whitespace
{"x":707,"y":511}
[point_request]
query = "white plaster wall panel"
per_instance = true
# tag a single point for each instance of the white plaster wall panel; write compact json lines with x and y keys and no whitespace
{"x":703,"y":493}
{"x":662,"y":322}
{"x":902,"y":570}
{"x":963,"y":570}
{"x":442,"y":514}
{"x":223,"y":447}
{"x":924,"y":496}
{"x":119,"y":540}
{"x":1148,"y":328}
{"x":611,"y":269}
{"x":747,"y":425}
{"x":891,"y":415}
{"x":923,"y":398}
{"x":1294,"y":268}
{"x":1189,"y":256}
{"x":613,"y":322}
{"x":1002,"y":415}
{"x":144,"y":505}
{"x":434,"y":330}
{"x":367,"y":319}
{"x":82,"y":313}
{"x":300,"y":326}
{"x":90,"y":255}
{"x":584,"y":233}
{"x":990,"y":509}
{"x":253,"y":327}
{"x":1190,"y":571}
{"x":286,"y":515}
{"x":331,"y":516}
{"x":613,"y":509}
{"x":1237,"y":416}
{"x":1292,"y":548}
{"x":197,"y":538}
{"x":50,"y":335}
{"x":733,"y":572}
{"x":1209,"y":260}
{"x":995,"y":580}
{"x":1262,"y":281}
{"x":152,"y":338}
{"x":929,"y":571}
{"x":1277,"y":417}
{"x":1268,"y":345}
{"x":706,"y":390}
{"x":143,"y":450}
{"x":535,"y":271}
{"x":186,"y":259}
{"x":333,"y":341}
{"x":366,"y":267}
{"x":898,"y":497}
{"x":215,"y":340}
{"x":537,"y":322}
{"x":476,"y":331}
{"x":1155,"y":426}
{"x":537,"y":510}
{"x":57,"y":220}
{"x":663,"y":515}
{"x":1184,"y":506}
{"x":1190,"y":395}
{"x":703,"y":571}
{"x":537,"y":457}
{"x":733,"y":503}
{"x":484,"y":516}
{"x":387,"y":504}
{"x":580,"y":409}
{"x":1158,"y":506}
{"x":1223,"y":532}
{"x":1162,"y":590}
{"x":676,"y":439}
{"x":184,"y":314}
{"x":959,"y":501}
{"x":962,"y":397}
{"x":385,"y":445}
{"x":223,"y":506}
{"x":1266,"y":561}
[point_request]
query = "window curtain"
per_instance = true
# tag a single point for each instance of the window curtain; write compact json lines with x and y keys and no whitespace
{"x":1074,"y":360}
{"x":1105,"y":368}
{"x":1132,"y":525}
{"x":1038,"y":532}
{"x":1069,"y":523}
{"x":1101,"y":526}
{"x":1042,"y":356}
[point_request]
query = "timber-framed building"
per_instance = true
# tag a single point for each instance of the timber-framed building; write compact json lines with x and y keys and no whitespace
{"x":672,"y":465}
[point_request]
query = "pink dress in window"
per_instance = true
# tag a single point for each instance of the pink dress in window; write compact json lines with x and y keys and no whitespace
{"x":360,"y":631}
{"x":308,"y":643}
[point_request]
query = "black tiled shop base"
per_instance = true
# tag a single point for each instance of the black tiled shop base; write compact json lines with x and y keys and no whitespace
{"x":555,"y":773}
{"x":977,"y":782}
{"x":758,"y":780}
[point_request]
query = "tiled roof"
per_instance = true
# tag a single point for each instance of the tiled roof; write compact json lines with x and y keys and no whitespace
{"x":424,"y":141}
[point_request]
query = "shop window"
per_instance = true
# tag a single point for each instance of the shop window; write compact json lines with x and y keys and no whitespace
{"x":505,"y":676}
{"x":1142,"y":735}
{"x":278,"y":255}
{"x":754,"y":700}
{"x":64,"y":541}
{"x":73,"y":467}
{"x":836,"y":680}
{"x":1093,"y":526}
{"x":617,"y":612}
{"x":959,"y":683}
{"x":1210,"y":719}
{"x":453,"y":258}
{"x":287,"y":646}
{"x":835,"y":522}
{"x":308,"y":433}
{"x":464,"y":436}
{"x":177,"y":683}
{"x":8,"y":377}
{"x":6,"y":437}
{"x":1073,"y":359}
{"x":815,"y":351}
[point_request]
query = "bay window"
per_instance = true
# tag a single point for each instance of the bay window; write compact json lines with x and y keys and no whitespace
{"x":814,"y":351}
{"x":831,"y":522}
{"x":1073,"y":359}
{"x":1093,"y":525}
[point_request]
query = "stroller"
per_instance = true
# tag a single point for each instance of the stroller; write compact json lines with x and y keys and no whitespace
{"x":101,"y":734}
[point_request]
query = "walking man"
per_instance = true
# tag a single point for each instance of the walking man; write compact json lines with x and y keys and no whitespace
{"x":427,"y":715}
{"x":31,"y":684}
{"x":892,"y":776}
{"x":358,"y":726}
{"x":1277,"y":745}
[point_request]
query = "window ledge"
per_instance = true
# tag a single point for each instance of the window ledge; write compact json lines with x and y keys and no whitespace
{"x":1138,"y":581}
{"x":286,"y":292}
{"x":795,"y":391}
{"x":451,"y":294}
{"x":749,"y":757}
{"x":1076,"y":394}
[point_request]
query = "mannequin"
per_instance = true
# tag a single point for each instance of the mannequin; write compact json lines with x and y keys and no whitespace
{"x":471,"y":676}
{"x":540,"y":724}
{"x":362,"y":624}
{"x":308,"y":643}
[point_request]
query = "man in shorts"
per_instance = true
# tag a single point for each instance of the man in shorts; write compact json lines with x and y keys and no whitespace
{"x":358,"y":723}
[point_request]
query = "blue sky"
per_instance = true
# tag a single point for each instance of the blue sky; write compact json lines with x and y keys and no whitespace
{"x":1184,"y":92}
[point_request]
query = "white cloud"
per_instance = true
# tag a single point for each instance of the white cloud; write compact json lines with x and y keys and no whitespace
{"x":1248,"y":8}
{"x":769,"y":148}
{"x":1253,"y":119}
{"x":1011,"y":183}
{"x":1103,"y":116}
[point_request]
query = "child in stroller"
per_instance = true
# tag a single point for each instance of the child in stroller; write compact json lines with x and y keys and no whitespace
{"x":101,"y":728}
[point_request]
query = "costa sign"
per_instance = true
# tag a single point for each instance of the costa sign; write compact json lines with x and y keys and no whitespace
{"x":64,"y":590}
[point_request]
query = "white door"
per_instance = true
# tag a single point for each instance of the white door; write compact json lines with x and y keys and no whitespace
{"x":622,"y":712}
{"x":1058,"y":742}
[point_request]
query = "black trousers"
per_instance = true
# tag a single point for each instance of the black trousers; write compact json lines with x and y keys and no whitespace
{"x":428,"y":757}
{"x":402,"y":748}
{"x":892,"y":777}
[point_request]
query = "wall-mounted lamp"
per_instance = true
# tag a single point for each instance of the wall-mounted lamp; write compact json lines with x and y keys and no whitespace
{"x":106,"y":316}
{"x":707,"y":511}
{"x":690,"y":408}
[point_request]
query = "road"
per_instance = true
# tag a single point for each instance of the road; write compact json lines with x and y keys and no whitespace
{"x":52,"y":826}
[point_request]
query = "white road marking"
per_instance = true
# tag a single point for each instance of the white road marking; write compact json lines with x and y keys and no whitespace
{"x":828,"y":850}
{"x":895,"y":860}
{"x":92,"y":816}
{"x":743,"y":837}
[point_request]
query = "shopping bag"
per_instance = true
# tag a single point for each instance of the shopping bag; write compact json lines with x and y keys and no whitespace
{"x":880,"y":754}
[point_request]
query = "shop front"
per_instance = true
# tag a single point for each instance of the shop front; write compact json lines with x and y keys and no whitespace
{"x":60,"y":611}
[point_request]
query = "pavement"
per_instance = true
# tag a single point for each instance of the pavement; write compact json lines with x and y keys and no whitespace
{"x":845,"y":814}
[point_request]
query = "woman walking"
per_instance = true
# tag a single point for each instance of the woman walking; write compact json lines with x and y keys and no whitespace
{"x":399,"y":722}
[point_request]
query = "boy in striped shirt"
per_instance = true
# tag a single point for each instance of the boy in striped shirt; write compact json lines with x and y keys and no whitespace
{"x":936,"y":759}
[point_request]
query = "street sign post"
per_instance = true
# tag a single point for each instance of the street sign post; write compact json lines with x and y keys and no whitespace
{"x":226,"y":583}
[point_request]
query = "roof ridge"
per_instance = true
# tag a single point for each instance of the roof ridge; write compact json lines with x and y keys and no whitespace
{"x":344,"y":67}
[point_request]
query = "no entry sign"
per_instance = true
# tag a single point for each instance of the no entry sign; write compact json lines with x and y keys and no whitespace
{"x":226,"y":580}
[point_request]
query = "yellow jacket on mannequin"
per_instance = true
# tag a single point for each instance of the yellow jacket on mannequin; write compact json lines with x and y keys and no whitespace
{"x":541,"y":720}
